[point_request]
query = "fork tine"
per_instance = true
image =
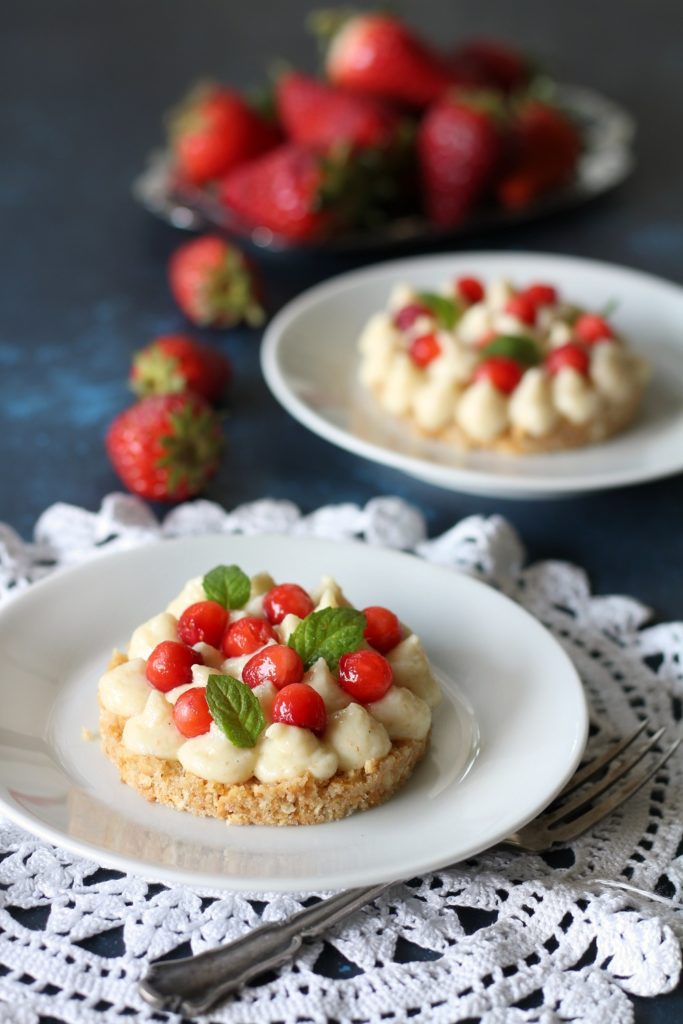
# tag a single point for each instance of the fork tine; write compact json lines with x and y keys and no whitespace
{"x":610,"y":802}
{"x":612,"y":776}
{"x":599,"y":762}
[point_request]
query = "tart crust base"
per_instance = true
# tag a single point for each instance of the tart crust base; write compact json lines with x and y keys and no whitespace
{"x":304,"y":801}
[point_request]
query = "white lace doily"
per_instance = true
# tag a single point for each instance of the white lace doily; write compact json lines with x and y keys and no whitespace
{"x":505,"y":938}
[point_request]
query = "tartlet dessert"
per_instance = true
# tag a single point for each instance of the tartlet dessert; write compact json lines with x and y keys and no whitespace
{"x":500,"y":367}
{"x":265,"y":704}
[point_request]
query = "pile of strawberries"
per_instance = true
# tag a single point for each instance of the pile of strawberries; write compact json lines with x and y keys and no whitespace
{"x":395,"y":128}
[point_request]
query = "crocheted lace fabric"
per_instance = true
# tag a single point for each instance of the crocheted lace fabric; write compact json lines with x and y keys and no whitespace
{"x":504,"y":937}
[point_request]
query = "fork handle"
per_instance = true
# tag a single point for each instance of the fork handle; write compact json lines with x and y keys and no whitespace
{"x":193,"y":984}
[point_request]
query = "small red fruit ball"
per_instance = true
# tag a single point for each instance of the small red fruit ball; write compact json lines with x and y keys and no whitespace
{"x":286,"y":599}
{"x":406,"y":317}
{"x":590,"y":328}
{"x":569,"y":355}
{"x":523,"y":308}
{"x":424,"y":349}
{"x":301,"y":705}
{"x":191,"y":712}
{"x":470,"y":289}
{"x":246,"y":636}
{"x":504,"y":373}
{"x":382,"y":629}
{"x":203,"y":622}
{"x":365,"y":675}
{"x":541,"y":294}
{"x":276,"y":664}
{"x":170,"y":665}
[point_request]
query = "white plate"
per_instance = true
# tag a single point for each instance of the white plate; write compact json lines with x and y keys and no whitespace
{"x":509,"y":733}
{"x":310,"y":364}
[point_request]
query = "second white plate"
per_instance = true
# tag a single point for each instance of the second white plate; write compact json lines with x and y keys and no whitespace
{"x":310,"y":364}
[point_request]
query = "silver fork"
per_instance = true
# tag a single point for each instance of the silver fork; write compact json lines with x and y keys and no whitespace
{"x":192,"y":985}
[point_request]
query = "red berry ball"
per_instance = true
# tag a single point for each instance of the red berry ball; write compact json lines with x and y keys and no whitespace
{"x":569,"y":355}
{"x":470,"y":289}
{"x":191,"y":712}
{"x":590,"y":328}
{"x":286,"y":599}
{"x":299,"y":704}
{"x":365,"y":675}
{"x":523,"y":308}
{"x":541,"y":294}
{"x":276,"y":664}
{"x":203,"y":622}
{"x":170,"y":665}
{"x":504,"y":373}
{"x":382,"y":630}
{"x":246,"y":636}
{"x":424,"y":349}
{"x":406,"y":317}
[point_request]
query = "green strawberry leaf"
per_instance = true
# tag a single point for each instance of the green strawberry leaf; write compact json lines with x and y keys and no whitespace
{"x":227,"y":585}
{"x":328,"y":634}
{"x":447,"y":311}
{"x":235,"y":710}
{"x":521,"y":349}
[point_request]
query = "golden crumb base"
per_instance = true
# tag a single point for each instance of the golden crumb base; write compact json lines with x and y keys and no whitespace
{"x":304,"y":801}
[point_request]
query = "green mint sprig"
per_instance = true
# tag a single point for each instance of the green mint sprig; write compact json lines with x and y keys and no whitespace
{"x":235,"y":710}
{"x":227,"y":585}
{"x":447,"y":311}
{"x":518,"y":347}
{"x":328,"y":634}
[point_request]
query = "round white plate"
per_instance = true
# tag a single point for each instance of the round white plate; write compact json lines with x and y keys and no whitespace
{"x":310,"y":364}
{"x":508,"y":735}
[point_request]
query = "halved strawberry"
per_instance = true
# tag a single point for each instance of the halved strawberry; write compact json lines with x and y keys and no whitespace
{"x":214,"y":283}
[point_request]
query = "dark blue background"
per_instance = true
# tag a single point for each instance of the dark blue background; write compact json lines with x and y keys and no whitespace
{"x":83,"y":87}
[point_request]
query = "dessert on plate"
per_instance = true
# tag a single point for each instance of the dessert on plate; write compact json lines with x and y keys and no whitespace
{"x":495,"y":365}
{"x":263,"y":703}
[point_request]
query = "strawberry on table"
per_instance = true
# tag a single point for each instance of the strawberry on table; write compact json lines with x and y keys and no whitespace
{"x":459,"y":148}
{"x":165,"y":447}
{"x":318,"y":114}
{"x":545,"y":148}
{"x":215,"y":129}
{"x":214,"y":284}
{"x":377,"y":54}
{"x":175,"y":363}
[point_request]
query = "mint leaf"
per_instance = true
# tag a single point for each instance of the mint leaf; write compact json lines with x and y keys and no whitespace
{"x":235,"y":710}
{"x":447,"y":311}
{"x":518,"y":347}
{"x":227,"y":585}
{"x":328,"y":634}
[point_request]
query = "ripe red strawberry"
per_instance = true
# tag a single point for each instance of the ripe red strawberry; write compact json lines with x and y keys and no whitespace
{"x":175,"y":363}
{"x":323,"y":115}
{"x":214,"y":130}
{"x":490,"y":64}
{"x":213,"y":283}
{"x":283,"y":191}
{"x":546,"y":149}
{"x":165,"y":447}
{"x":459,"y":146}
{"x":379,"y":55}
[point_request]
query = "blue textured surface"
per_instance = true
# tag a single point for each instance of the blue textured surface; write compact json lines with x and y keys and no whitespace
{"x":83,"y":280}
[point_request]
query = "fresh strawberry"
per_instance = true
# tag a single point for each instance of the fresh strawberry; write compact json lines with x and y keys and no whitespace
{"x":490,"y":64}
{"x":165,"y":447}
{"x":213,"y":283}
{"x":459,"y":146}
{"x":377,"y":54}
{"x":546,"y":148}
{"x":175,"y":363}
{"x":295,"y":191}
{"x":323,"y":115}
{"x":214,"y":130}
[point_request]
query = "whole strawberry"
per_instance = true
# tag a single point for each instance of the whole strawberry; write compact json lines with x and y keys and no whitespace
{"x":490,"y":64}
{"x":174,"y":363}
{"x":166,"y":447}
{"x":379,"y":55}
{"x":546,"y":148}
{"x":459,"y":147}
{"x":214,"y":284}
{"x":318,"y":114}
{"x":216,"y":129}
